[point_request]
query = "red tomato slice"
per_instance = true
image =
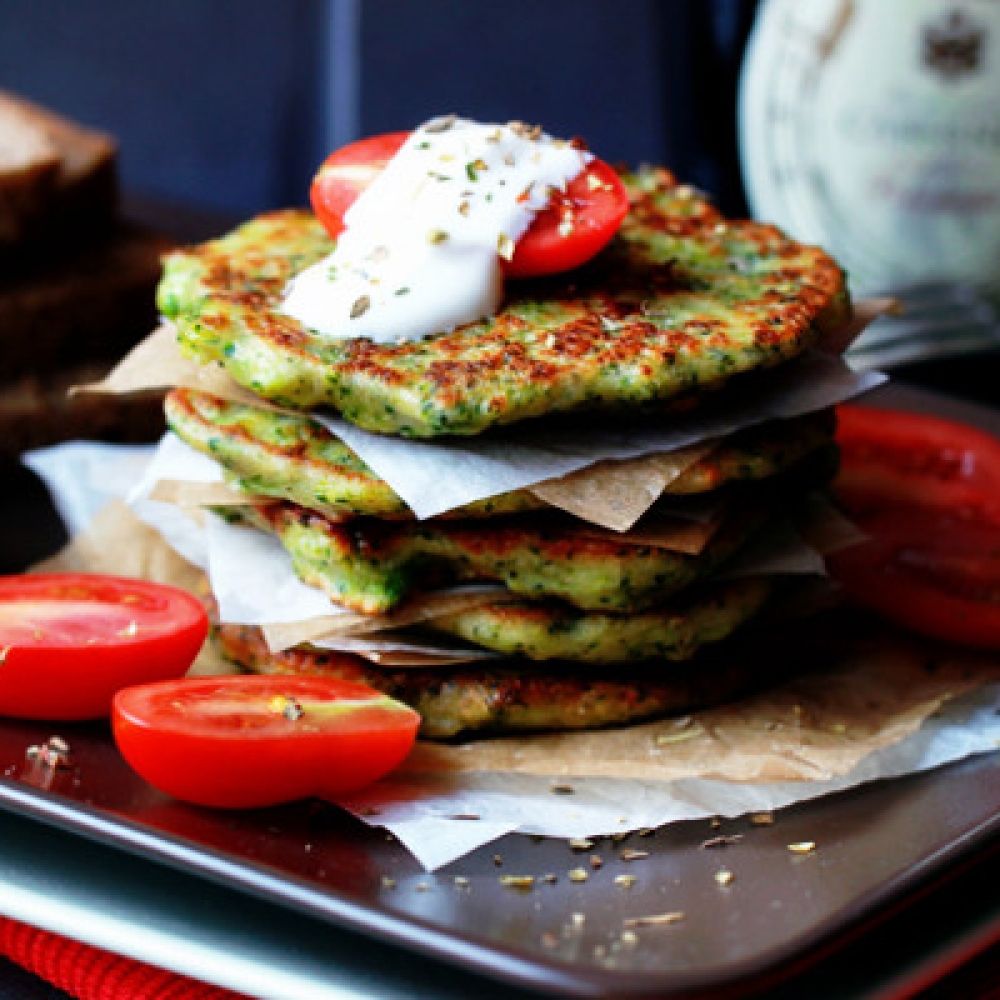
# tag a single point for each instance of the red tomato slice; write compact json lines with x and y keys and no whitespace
{"x":249,"y":741}
{"x":578,"y":223}
{"x":929,"y":571}
{"x":575,"y":227}
{"x":890,"y":458}
{"x":68,"y":641}
{"x":346,"y":172}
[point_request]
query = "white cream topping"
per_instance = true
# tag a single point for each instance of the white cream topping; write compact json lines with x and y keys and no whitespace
{"x":421,"y":251}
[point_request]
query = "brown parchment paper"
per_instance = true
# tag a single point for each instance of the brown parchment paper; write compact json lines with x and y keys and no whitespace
{"x":879,"y":689}
{"x":613,"y":494}
{"x":811,"y":728}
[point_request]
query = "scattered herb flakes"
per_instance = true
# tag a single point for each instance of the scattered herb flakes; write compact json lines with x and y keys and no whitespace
{"x":581,"y":844}
{"x":724,"y":877}
{"x":474,"y":168}
{"x":802,"y":847}
{"x":497,"y":860}
{"x":549,"y":878}
{"x":563,"y":790}
{"x":682,"y":730}
{"x":282,"y":705}
{"x":723,"y":841}
{"x":505,"y":246}
{"x":54,"y":753}
{"x":523,"y":882}
{"x":523,"y":130}
{"x":388,"y":883}
{"x":402,"y":290}
{"x":630,"y":854}
{"x":578,"y":875}
{"x":437,"y":236}
{"x":360,"y":306}
{"x":441,"y":124}
{"x":655,"y":919}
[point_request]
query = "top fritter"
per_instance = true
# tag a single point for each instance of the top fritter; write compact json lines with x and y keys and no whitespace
{"x":681,"y":300}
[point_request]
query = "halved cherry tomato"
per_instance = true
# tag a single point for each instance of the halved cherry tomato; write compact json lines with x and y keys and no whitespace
{"x":891,"y":459}
{"x":346,"y":172}
{"x":577,"y":224}
{"x":68,"y":641}
{"x":248,"y":741}
{"x":931,"y":572}
{"x":926,"y":492}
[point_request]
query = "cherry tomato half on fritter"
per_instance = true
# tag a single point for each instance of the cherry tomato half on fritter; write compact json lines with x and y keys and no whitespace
{"x":346,"y":172}
{"x":926,"y":492}
{"x":577,"y":224}
{"x":244,"y":742}
{"x":68,"y":641}
{"x":891,"y":459}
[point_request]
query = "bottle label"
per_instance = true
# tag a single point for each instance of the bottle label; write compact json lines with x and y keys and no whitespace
{"x":873,"y":128}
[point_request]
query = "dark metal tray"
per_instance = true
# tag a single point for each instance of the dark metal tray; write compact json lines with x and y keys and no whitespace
{"x":877,"y":848}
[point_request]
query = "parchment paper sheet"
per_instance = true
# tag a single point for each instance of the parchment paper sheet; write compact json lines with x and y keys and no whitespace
{"x":889,"y":707}
{"x":439,"y":475}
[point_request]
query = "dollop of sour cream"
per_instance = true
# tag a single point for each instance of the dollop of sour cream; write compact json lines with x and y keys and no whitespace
{"x":422,"y":246}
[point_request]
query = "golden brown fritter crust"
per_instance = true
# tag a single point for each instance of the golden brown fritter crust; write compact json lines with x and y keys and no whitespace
{"x":372,"y":566}
{"x":508,"y":695}
{"x":682,"y":300}
{"x":293,"y":457}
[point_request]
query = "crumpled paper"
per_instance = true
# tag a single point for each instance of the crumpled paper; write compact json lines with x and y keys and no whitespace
{"x":439,"y":475}
{"x":887,"y":707}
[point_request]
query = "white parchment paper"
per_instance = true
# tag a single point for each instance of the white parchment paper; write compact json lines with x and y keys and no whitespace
{"x":436,"y":476}
{"x":417,"y":806}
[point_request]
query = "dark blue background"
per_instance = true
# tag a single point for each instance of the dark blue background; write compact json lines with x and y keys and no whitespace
{"x":230,"y":104}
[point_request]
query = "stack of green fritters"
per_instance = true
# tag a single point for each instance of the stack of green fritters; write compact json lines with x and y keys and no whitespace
{"x":595,"y":628}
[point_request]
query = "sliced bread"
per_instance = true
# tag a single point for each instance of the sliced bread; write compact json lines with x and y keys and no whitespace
{"x":30,"y":164}
{"x":56,"y":177}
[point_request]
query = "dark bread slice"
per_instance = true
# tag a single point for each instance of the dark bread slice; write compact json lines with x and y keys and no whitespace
{"x":89,"y":305}
{"x":57,"y":178}
{"x":35,"y":413}
{"x":30,"y":163}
